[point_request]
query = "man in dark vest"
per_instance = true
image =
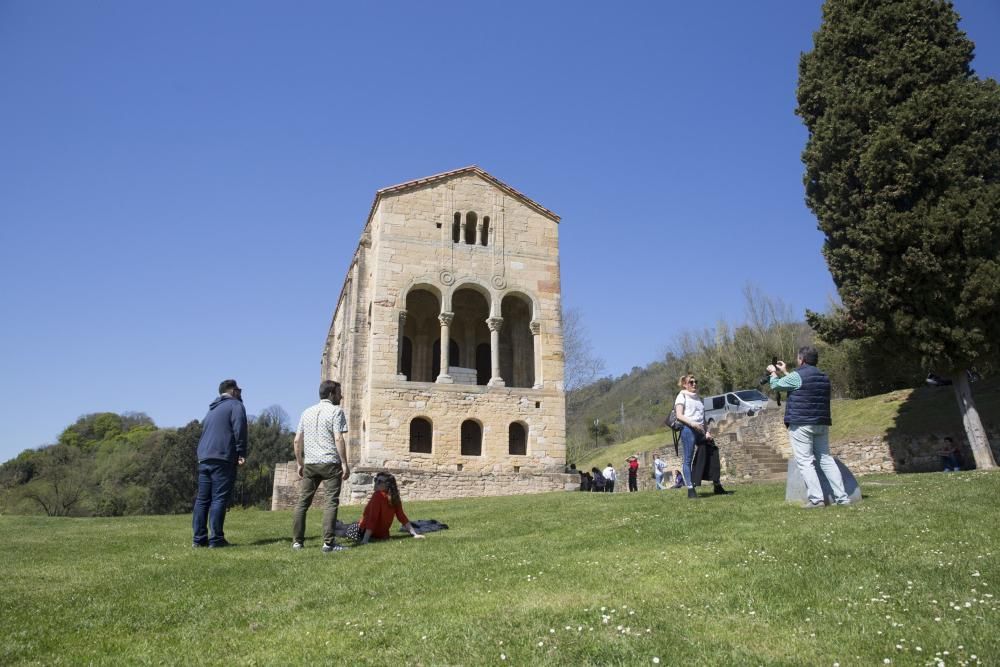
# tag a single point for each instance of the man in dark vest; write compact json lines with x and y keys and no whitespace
{"x":807,"y":417}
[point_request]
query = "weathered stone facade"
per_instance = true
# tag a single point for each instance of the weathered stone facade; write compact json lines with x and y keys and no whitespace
{"x":447,"y":339}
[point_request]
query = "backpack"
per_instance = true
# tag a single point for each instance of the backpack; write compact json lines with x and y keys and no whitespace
{"x":672,"y":422}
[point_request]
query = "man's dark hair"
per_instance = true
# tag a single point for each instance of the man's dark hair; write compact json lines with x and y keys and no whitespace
{"x":809,"y":355}
{"x":226,"y":386}
{"x":330,"y":390}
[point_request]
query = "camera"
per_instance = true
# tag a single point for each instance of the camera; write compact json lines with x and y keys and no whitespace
{"x":766,"y":378}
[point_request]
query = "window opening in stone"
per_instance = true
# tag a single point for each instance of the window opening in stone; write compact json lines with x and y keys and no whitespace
{"x":483,"y":364}
{"x":517,"y":344}
{"x":472,"y":438}
{"x":420,"y":329}
{"x":369,"y":316}
{"x":486,"y":230}
{"x":517,"y":468}
{"x":406,"y":362}
{"x":517,"y":439}
{"x":420,"y":435}
{"x":458,"y":467}
{"x":472,"y":365}
{"x":456,"y":228}
{"x":538,"y":404}
{"x":470,"y":227}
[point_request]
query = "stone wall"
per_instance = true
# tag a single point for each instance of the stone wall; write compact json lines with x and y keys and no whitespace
{"x":424,"y":485}
{"x":877,"y":454}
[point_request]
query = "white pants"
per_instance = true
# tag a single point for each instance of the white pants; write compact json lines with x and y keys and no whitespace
{"x":809,"y":442}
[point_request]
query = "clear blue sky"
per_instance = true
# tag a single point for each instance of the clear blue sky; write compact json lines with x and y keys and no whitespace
{"x":182,"y":184}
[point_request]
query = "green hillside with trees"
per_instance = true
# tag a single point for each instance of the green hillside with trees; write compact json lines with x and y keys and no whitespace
{"x":108,"y":464}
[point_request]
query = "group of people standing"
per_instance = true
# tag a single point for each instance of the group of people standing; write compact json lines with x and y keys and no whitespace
{"x":604,"y":480}
{"x":321,"y":456}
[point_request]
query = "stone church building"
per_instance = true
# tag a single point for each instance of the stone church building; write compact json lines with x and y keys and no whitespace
{"x":447,"y":339}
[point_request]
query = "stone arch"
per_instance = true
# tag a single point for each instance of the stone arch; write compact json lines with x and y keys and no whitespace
{"x":517,"y":439}
{"x":517,"y":343}
{"x":421,"y":435}
{"x":471,"y":307}
{"x":472,"y":438}
{"x":419,"y":331}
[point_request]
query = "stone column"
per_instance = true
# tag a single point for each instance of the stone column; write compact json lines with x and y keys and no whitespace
{"x":495,"y":324}
{"x":445,"y":319}
{"x":536,"y":329}
{"x":399,"y":347}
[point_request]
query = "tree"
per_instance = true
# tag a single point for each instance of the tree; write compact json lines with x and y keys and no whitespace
{"x":582,"y":366}
{"x":172,"y":487}
{"x":60,"y":483}
{"x":903,"y":175}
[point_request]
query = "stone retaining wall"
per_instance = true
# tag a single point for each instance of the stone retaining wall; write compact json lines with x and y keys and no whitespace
{"x":424,"y":485}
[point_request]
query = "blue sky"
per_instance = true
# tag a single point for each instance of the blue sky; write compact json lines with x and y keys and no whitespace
{"x":182,"y":184}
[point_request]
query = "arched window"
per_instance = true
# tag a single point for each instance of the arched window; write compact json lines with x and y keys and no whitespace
{"x":517,"y":439}
{"x":470,"y":227}
{"x":517,"y":348}
{"x":486,"y":230}
{"x":456,"y":228}
{"x":472,"y":438}
{"x":420,"y":435}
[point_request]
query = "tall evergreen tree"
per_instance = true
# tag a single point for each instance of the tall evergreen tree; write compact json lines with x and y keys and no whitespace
{"x":903,"y":174}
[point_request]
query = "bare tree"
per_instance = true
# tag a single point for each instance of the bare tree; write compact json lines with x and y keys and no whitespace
{"x":582,"y":365}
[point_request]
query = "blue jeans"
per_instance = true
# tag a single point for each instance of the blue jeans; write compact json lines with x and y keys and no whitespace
{"x":215,"y":483}
{"x":811,"y":442}
{"x":688,"y":440}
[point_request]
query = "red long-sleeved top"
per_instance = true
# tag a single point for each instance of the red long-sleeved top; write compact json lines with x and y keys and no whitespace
{"x":378,"y":514}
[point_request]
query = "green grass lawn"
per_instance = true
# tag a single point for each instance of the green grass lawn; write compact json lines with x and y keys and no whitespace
{"x":909,"y":575}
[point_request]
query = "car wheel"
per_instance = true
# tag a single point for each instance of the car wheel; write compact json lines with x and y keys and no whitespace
{"x":750,"y":413}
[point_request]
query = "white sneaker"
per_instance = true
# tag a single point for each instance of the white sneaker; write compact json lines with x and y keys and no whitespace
{"x":327,"y":548}
{"x":296,"y":546}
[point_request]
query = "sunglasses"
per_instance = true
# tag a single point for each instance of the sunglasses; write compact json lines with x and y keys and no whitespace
{"x":692,"y":382}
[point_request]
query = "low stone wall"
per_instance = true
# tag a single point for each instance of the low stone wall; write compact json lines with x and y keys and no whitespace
{"x":424,"y":485}
{"x":877,"y":454}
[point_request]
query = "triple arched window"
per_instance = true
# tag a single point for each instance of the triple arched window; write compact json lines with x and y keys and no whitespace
{"x":422,"y":435}
{"x":470,"y":230}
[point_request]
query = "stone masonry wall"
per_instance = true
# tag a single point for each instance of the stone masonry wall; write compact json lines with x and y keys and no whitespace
{"x":424,"y":485}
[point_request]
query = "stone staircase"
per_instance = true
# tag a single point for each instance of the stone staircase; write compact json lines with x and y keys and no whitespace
{"x":752,"y":448}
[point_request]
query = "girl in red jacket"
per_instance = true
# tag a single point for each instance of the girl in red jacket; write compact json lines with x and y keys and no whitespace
{"x":379,"y":512}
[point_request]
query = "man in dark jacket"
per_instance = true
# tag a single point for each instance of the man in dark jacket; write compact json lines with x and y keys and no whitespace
{"x":807,"y":417}
{"x":222,"y":447}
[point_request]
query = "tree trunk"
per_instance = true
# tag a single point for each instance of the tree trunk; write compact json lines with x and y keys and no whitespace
{"x":973,"y":425}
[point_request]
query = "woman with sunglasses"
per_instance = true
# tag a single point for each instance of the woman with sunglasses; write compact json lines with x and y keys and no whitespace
{"x":691,"y":412}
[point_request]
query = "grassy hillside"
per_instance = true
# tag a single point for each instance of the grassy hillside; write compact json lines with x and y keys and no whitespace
{"x":909,"y":412}
{"x":907,"y":576}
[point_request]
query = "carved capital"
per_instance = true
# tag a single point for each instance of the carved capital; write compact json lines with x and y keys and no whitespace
{"x":446,"y":319}
{"x":494,"y":323}
{"x":536,"y":327}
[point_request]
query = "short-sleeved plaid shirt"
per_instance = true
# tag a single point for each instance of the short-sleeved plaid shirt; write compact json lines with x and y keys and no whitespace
{"x":319,"y":426}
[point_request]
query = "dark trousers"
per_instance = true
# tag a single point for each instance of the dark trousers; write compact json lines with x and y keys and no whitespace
{"x":609,"y":486}
{"x":312,"y":475}
{"x":633,"y":483}
{"x":215,"y":483}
